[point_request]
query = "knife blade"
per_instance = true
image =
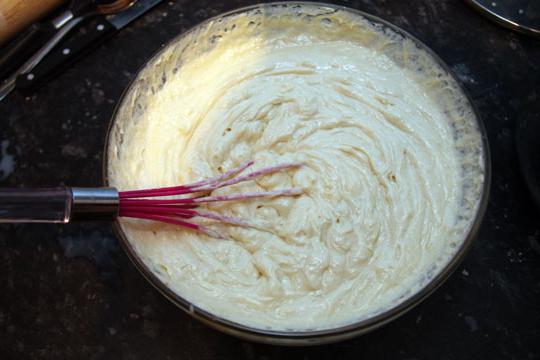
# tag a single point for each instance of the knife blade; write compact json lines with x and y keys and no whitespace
{"x":93,"y":33}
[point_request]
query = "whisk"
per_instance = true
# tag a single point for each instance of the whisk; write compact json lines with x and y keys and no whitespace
{"x":177,"y":205}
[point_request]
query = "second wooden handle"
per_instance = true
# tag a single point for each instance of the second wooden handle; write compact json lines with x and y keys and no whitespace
{"x":15,"y":15}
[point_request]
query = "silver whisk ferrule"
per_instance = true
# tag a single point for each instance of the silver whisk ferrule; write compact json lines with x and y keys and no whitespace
{"x":94,"y":203}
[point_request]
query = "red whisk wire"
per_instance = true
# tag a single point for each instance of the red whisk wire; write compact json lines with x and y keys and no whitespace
{"x":135,"y":203}
{"x":183,"y":189}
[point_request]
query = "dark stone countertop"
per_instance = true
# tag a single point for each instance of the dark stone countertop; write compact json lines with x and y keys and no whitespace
{"x":71,"y":292}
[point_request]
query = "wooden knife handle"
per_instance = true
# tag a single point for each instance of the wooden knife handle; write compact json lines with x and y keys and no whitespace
{"x":15,"y":15}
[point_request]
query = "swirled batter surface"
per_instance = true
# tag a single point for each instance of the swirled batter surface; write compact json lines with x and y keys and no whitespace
{"x":381,"y":177}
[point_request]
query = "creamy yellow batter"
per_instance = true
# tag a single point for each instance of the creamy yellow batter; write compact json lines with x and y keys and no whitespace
{"x":382,"y":177}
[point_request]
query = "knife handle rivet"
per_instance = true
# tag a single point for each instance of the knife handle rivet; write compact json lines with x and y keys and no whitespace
{"x":66,"y":51}
{"x":30,"y":76}
{"x":100,"y":27}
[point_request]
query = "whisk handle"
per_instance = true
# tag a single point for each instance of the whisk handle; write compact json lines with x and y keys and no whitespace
{"x":50,"y":205}
{"x":57,"y":205}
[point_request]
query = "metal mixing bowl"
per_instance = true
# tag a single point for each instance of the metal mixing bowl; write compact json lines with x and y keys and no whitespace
{"x":141,"y":87}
